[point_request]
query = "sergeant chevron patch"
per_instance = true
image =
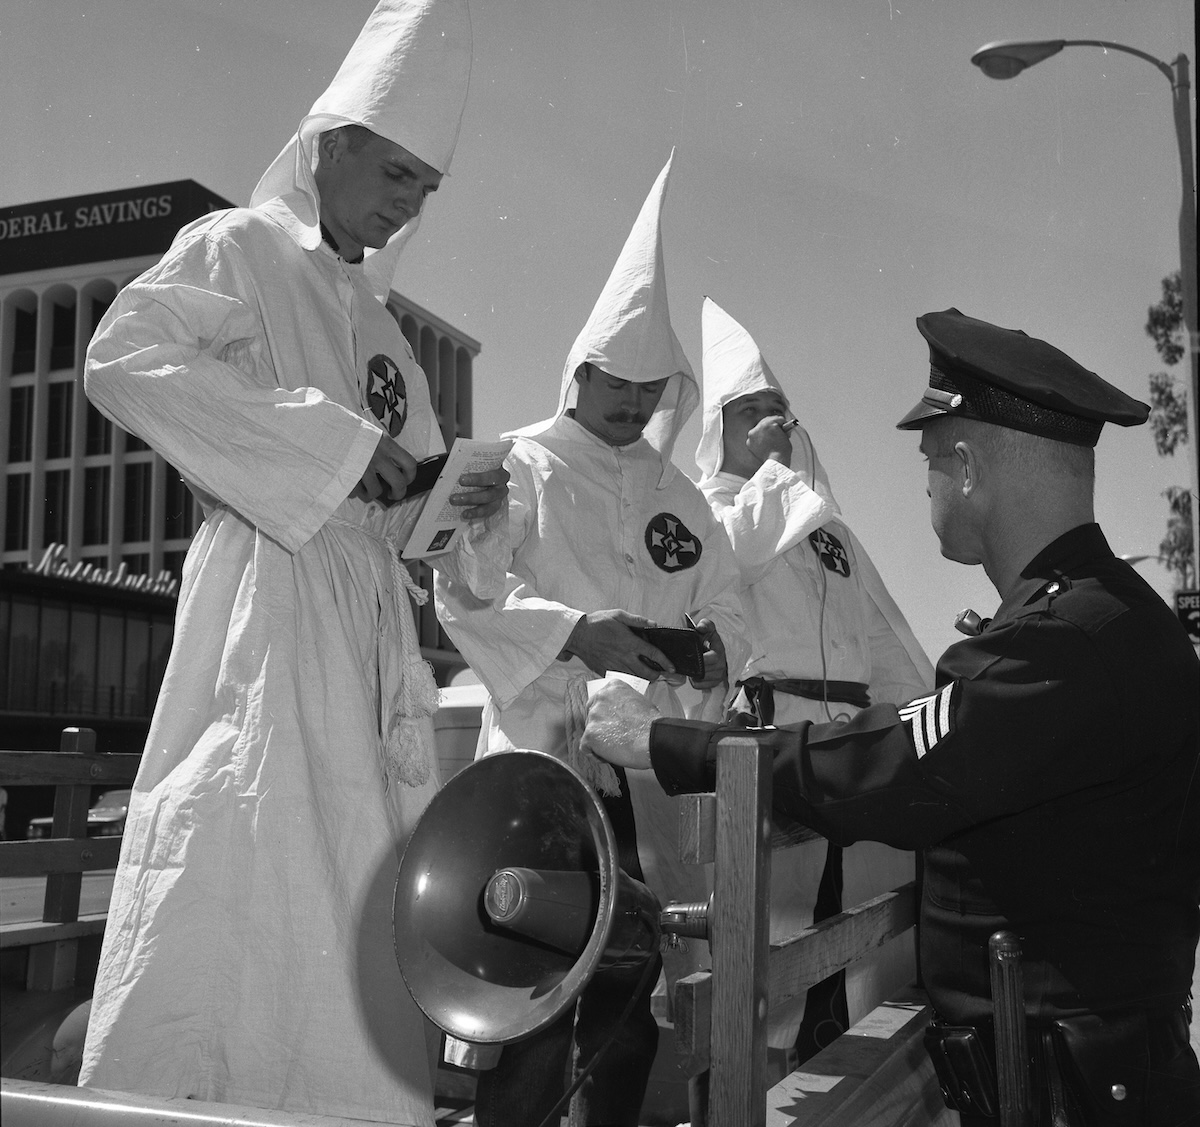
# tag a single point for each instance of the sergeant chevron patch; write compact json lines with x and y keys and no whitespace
{"x":929,"y":718}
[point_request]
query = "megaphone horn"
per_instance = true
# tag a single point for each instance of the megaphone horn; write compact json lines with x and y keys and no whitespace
{"x":509,"y":898}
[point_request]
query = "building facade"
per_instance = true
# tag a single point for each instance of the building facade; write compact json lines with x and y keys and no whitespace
{"x":96,"y":525}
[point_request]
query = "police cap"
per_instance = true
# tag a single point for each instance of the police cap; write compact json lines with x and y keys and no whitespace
{"x":1001,"y":376}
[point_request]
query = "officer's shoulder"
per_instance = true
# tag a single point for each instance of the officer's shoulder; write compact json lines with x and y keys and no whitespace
{"x":1093,"y":601}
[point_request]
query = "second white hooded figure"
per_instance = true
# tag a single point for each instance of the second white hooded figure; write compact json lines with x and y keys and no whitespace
{"x":606,"y":533}
{"x":827,"y":638}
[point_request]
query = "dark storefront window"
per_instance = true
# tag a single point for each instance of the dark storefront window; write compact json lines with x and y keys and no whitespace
{"x":58,"y":420}
{"x":5,"y":635}
{"x":20,"y":424}
{"x":21,"y":687}
{"x":16,"y":530}
{"x":110,"y":664}
{"x":56,"y":516}
{"x":133,"y":444}
{"x":137,"y":666}
{"x":96,"y":481}
{"x":162,"y":631}
{"x":137,"y":501}
{"x":52,"y":658}
{"x":81,"y":671}
{"x":72,"y":656}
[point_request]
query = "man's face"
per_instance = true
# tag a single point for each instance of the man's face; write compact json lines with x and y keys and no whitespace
{"x":948,"y":512}
{"x":369,"y":193}
{"x":738,"y":417}
{"x":616,"y":411}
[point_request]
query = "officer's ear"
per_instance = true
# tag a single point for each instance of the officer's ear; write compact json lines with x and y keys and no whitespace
{"x":969,"y":465}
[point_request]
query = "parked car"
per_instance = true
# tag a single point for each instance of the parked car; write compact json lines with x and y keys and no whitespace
{"x":106,"y":818}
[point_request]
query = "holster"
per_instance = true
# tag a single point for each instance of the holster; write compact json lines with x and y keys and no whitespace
{"x":1088,"y":1071}
{"x":963,"y":1064}
{"x":1104,"y":1060}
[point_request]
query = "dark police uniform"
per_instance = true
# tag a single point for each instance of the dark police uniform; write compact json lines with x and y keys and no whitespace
{"x":1052,"y":781}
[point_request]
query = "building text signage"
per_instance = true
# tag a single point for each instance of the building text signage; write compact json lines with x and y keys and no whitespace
{"x":55,"y":565}
{"x":108,"y":225}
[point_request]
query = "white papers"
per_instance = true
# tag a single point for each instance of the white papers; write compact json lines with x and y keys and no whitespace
{"x":440,"y":523}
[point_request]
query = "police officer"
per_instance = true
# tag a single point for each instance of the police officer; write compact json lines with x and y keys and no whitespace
{"x":1052,"y":780}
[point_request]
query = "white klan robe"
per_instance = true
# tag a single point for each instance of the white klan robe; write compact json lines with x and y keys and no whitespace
{"x":815,"y":609}
{"x":248,"y":954}
{"x":592,"y":527}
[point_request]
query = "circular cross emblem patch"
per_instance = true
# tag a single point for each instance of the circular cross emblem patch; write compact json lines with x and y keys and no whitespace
{"x":830,"y":551}
{"x":671,"y":544}
{"x":387,"y":396}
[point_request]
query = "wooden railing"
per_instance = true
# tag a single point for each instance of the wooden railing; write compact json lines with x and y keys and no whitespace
{"x":73,"y":771}
{"x":877,"y":1073}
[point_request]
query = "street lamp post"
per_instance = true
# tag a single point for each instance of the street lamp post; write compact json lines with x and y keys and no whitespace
{"x":1006,"y":59}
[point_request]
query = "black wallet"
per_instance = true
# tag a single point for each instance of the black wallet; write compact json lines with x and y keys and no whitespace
{"x":426,"y":475}
{"x":684,"y":648}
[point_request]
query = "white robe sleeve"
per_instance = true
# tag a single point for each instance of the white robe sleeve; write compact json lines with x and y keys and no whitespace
{"x":181,"y":360}
{"x":511,"y":640}
{"x":771,"y":513}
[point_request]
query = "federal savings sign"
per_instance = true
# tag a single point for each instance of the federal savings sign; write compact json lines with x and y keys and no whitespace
{"x":97,"y":228}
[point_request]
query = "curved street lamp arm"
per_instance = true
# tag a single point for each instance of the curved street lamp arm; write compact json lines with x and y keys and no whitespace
{"x":1166,"y":68}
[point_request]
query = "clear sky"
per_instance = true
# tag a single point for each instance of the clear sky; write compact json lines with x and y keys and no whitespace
{"x":841,"y":168}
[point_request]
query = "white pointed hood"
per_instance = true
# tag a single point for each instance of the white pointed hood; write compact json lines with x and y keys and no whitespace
{"x":405,"y":78}
{"x":733,"y":366}
{"x":629,"y":333}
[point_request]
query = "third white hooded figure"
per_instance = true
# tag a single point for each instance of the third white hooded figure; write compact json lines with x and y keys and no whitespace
{"x":826,"y":637}
{"x":248,"y":956}
{"x":605,"y":533}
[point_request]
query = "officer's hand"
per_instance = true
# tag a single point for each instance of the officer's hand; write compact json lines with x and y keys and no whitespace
{"x":767,"y":439}
{"x":486,"y":493}
{"x":388,"y":473}
{"x":602,"y":640}
{"x":716,"y":667}
{"x":618,"y":725}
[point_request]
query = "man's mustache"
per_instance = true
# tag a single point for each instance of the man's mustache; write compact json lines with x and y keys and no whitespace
{"x":627,"y":418}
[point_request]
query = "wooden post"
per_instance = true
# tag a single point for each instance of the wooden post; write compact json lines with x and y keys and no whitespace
{"x":740,"y":935}
{"x":52,"y":965}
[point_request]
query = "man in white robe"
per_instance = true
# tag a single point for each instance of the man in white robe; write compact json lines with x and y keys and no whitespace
{"x":827,"y":639}
{"x":248,"y":954}
{"x":605,"y":533}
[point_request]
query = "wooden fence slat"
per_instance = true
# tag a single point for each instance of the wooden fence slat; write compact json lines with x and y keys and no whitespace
{"x":840,"y":941}
{"x":64,"y":855}
{"x":794,"y":965}
{"x":28,"y":932}
{"x":52,"y":768}
{"x":693,"y":1021}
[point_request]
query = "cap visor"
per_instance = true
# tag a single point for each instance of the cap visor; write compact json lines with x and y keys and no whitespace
{"x":918,"y":415}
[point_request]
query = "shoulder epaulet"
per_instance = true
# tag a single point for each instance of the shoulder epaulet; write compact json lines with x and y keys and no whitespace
{"x":1059,"y":585}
